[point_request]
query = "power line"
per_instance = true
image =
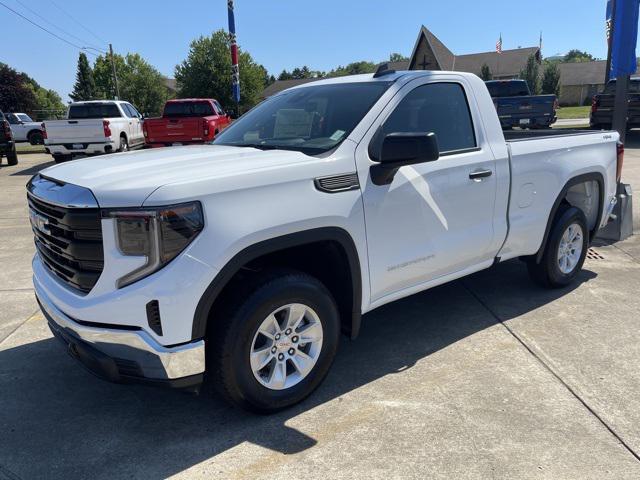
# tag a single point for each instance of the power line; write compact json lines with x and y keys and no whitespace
{"x":44,"y":29}
{"x":79,"y":23}
{"x":54,"y":25}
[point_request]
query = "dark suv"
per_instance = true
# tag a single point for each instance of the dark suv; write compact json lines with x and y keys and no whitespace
{"x":7,"y":145}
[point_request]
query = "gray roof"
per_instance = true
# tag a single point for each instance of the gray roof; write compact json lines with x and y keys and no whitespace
{"x":444,"y":56}
{"x":583,"y":73}
{"x":280,"y":85}
{"x":509,"y":62}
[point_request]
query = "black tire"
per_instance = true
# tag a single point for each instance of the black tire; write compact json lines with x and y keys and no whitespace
{"x":61,"y":158}
{"x":124,"y":144}
{"x":547,"y":273}
{"x":36,"y":138}
{"x":231,"y":335}
{"x":12,"y":157}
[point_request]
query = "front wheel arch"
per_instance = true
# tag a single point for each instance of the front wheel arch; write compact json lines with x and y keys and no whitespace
{"x":213,"y":293}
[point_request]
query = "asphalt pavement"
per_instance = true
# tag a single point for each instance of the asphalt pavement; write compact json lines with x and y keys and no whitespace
{"x":486,"y":377}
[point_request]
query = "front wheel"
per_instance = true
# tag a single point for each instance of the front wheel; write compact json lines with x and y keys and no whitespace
{"x":564,"y":252}
{"x":273,"y":345}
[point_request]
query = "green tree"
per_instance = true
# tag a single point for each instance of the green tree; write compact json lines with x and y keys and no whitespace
{"x":531,"y":73}
{"x":485,"y":73}
{"x":16,"y":92}
{"x":353,"y":68}
{"x":206,"y":72}
{"x":551,"y":79}
{"x":85,"y":87}
{"x":139,"y":82}
{"x":576,"y":55}
{"x":398,"y":57}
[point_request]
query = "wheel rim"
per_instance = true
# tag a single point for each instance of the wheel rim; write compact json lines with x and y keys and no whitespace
{"x":125,"y":146}
{"x":286,"y":346}
{"x":570,"y":248}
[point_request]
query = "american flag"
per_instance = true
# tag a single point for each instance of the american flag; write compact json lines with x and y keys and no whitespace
{"x":499,"y":45}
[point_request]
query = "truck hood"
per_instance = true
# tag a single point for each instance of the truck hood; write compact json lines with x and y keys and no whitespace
{"x":127,"y":179}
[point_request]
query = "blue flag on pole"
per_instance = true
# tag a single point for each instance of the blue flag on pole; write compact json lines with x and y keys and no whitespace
{"x":625,"y":36}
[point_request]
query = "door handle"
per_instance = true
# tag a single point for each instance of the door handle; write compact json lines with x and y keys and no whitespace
{"x":478,"y":175}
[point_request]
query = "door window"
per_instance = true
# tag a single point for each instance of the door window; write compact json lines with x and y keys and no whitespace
{"x":440,"y":108}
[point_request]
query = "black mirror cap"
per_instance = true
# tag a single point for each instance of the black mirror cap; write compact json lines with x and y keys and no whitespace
{"x":407,"y":148}
{"x":400,"y":149}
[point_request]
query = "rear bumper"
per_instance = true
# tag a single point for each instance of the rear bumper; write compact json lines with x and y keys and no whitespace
{"x":125,"y":355}
{"x":605,"y":118}
{"x":160,"y":144}
{"x":7,"y":147}
{"x":87,"y":148}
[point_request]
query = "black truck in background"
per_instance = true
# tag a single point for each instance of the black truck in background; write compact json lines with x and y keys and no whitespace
{"x":7,"y":145}
{"x":602,"y":106}
{"x":516,"y":106}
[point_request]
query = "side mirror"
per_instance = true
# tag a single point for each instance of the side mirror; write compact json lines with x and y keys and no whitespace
{"x":400,"y":149}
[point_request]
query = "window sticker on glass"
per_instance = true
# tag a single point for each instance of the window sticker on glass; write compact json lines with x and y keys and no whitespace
{"x":337,"y":135}
{"x":292,"y":123}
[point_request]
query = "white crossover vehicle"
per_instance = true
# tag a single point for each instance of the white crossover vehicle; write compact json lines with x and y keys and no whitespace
{"x":240,"y":262}
{"x":93,"y":127}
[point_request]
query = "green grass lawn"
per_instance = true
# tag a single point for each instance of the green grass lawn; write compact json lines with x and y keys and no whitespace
{"x":573,"y":112}
{"x":27,"y":148}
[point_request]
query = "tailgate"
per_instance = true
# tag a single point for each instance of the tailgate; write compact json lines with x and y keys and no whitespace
{"x":175,"y":130}
{"x":526,"y":106}
{"x":74,"y":131}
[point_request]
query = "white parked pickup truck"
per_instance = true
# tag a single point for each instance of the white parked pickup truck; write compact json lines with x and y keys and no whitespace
{"x":93,"y":127}
{"x":24,"y":129}
{"x":240,"y":262}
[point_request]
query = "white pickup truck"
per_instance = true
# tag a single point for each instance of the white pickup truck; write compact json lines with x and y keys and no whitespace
{"x":93,"y":127}
{"x":24,"y":129}
{"x":240,"y":262}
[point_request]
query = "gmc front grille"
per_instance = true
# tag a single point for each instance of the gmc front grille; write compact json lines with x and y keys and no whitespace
{"x":68,"y":238}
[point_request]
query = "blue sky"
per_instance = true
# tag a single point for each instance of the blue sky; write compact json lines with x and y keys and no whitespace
{"x":288,"y":33}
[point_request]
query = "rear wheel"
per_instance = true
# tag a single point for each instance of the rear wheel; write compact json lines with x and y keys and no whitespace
{"x":274,"y":343}
{"x":124,"y":144}
{"x":12,"y":157}
{"x":61,"y":158}
{"x":36,"y":138}
{"x":564,"y":252}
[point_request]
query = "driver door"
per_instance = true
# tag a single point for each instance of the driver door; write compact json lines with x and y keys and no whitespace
{"x":434,"y":218}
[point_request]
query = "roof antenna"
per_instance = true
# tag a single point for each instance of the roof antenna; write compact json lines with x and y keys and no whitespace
{"x":383,"y":70}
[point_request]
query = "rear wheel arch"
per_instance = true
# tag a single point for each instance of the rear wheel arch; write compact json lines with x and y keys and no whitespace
{"x":332,"y":240}
{"x":562,"y":199}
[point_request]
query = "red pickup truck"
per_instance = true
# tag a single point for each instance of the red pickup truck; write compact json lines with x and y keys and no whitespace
{"x":185,"y":121}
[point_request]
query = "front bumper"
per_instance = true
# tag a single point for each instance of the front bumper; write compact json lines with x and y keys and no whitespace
{"x":125,"y":355}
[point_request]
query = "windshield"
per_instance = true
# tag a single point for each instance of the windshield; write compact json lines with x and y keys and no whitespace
{"x":517,"y":88}
{"x":188,"y":109}
{"x":24,"y":117}
{"x":311,"y":119}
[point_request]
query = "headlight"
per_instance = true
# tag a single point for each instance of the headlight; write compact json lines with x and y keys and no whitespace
{"x":159,"y":234}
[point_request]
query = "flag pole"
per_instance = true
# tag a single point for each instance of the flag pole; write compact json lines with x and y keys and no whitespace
{"x":235,"y":70}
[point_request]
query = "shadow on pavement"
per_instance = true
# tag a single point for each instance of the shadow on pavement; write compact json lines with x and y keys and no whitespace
{"x":58,"y":421}
{"x":33,"y":169}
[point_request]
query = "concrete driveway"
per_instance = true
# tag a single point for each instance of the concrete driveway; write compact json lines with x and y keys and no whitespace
{"x":489,"y":377}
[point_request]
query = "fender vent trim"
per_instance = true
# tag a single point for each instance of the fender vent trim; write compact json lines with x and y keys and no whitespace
{"x":337,"y":183}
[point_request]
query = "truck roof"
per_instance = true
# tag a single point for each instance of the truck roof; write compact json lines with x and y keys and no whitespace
{"x":182,"y":100}
{"x":390,"y":75}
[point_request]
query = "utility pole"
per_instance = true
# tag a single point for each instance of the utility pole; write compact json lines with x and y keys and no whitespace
{"x":113,"y":68}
